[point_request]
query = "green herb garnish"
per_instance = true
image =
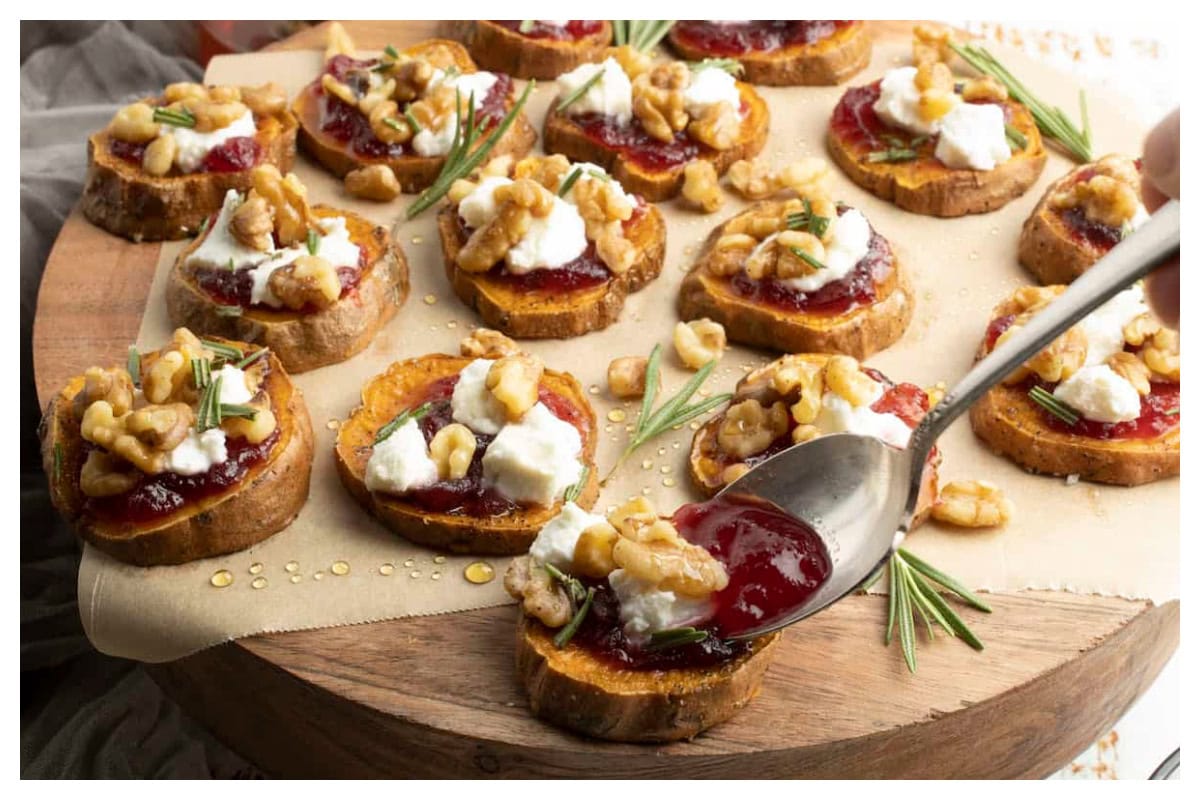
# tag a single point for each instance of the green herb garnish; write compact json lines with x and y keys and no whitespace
{"x":176,"y":117}
{"x":1173,"y":412}
{"x":313,"y":241}
{"x":232,"y":266}
{"x":392,"y":53}
{"x":568,"y":632}
{"x":222,"y":351}
{"x":229,"y":311}
{"x":399,"y":420}
{"x":581,"y":91}
{"x":201,"y":372}
{"x":208,"y":412}
{"x":1051,"y":120}
{"x":574,"y":589}
{"x":674,"y":637}
{"x":236,"y":410}
{"x":575,"y":489}
{"x":133,"y":365}
{"x":460,"y":161}
{"x":411,"y":120}
{"x":808,"y":221}
{"x":730,"y":65}
{"x":914,"y":590}
{"x":641,"y":34}
{"x":806,"y":258}
{"x":892,"y":155}
{"x":250,"y":359}
{"x":1017,"y":141}
{"x":673,"y":412}
{"x":569,"y":182}
{"x":58,"y":461}
{"x":526,"y":25}
{"x":1053,"y":405}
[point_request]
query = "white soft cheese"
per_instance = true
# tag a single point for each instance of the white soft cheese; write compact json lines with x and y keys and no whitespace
{"x":555,"y":543}
{"x":646,"y":609}
{"x":850,"y":239}
{"x":198,"y":453}
{"x":1098,"y":393}
{"x":534,"y":460}
{"x":479,"y":207}
{"x":837,"y":415}
{"x":233,"y":385}
{"x":972,"y":136}
{"x":473,"y":404}
{"x":551,"y":241}
{"x":219,"y":248}
{"x":436,"y":141}
{"x":260,"y":288}
{"x":611,"y":96}
{"x":708,"y":87}
{"x":1104,"y":327}
{"x":478,"y":84}
{"x":401,"y":462}
{"x":1139,"y":218}
{"x":592,"y":173}
{"x":335,"y":246}
{"x":191,"y":146}
{"x":898,"y":99}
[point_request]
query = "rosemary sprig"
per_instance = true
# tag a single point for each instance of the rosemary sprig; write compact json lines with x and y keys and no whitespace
{"x":1053,"y":405}
{"x":411,"y":120}
{"x":399,"y":420}
{"x":641,"y":34}
{"x":913,"y":591}
{"x":581,"y":91}
{"x":571,"y":585}
{"x":235,"y":410}
{"x":222,"y":351}
{"x":575,"y":489}
{"x":526,"y":25}
{"x":208,"y":412}
{"x":58,"y":461}
{"x":1172,"y":412}
{"x":1051,"y":120}
{"x":460,"y":161}
{"x":229,"y":311}
{"x":176,"y":117}
{"x":673,"y":412}
{"x":808,"y":221}
{"x":807,"y":258}
{"x":892,"y":155}
{"x":133,"y":365}
{"x":674,"y":637}
{"x":1017,"y":141}
{"x":313,"y":242}
{"x":392,"y":53}
{"x":568,"y":631}
{"x":250,"y":359}
{"x":201,"y":372}
{"x":730,"y":65}
{"x":569,"y":182}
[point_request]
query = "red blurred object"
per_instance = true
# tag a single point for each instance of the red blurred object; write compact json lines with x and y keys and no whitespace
{"x":219,"y":37}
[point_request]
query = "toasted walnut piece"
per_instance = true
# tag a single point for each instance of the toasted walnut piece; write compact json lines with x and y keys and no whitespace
{"x":159,"y":155}
{"x":1060,"y":359}
{"x":375,"y":182}
{"x":452,"y":449}
{"x":99,"y":426}
{"x":753,"y":180}
{"x":460,"y":189}
{"x":336,"y":88}
{"x":845,"y":378}
{"x":1140,"y":328}
{"x":184,"y":91}
{"x":500,"y":167}
{"x":701,"y":188}
{"x":338,"y":42}
{"x":112,"y":385}
{"x":412,"y":77}
{"x":378,"y":96}
{"x":134,"y":123}
{"x":671,"y":564}
{"x":549,"y":171}
{"x":594,"y":551}
{"x":810,"y":380}
{"x":254,"y":430}
{"x":809,"y":177}
{"x":487,"y":343}
{"x":633,"y":61}
{"x":658,"y":103}
{"x":526,"y":193}
{"x":212,"y":116}
{"x":1132,"y":369}
{"x":253,"y":223}
{"x":164,"y":376}
{"x":748,"y":428}
{"x":1161,"y":354}
{"x":788,"y":263}
{"x":729,"y":254}
{"x":103,"y":475}
{"x":267,"y":100}
{"x":601,"y":202}
{"x":934,"y":75}
{"x":718,"y":127}
{"x":434,"y":106}
{"x":931,"y":43}
{"x":161,"y":427}
{"x":289,"y":199}
{"x":488,"y":244}
{"x":699,"y":342}
{"x":617,"y":252}
{"x":513,"y":380}
{"x":307,"y":281}
{"x":935,"y":104}
{"x":1121,"y":168}
{"x":1032,"y":298}
{"x":540,"y":595}
{"x":734,"y":471}
{"x":972,"y":504}
{"x":984,"y":89}
{"x":386,"y":123}
{"x":804,"y":433}
{"x":225,"y":94}
{"x":760,"y":264}
{"x":632,"y":515}
{"x":627,"y":377}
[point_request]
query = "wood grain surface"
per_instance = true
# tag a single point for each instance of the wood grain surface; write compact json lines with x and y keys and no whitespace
{"x":436,"y":696}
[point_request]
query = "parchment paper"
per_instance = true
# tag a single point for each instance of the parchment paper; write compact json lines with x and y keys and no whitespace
{"x":1084,"y":538}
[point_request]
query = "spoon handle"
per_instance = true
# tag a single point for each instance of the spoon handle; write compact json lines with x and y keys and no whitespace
{"x":1138,"y":254}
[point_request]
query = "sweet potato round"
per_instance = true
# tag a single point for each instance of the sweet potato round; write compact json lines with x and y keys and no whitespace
{"x":499,"y":49}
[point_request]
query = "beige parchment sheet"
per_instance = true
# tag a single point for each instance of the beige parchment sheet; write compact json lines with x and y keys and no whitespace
{"x":1083,"y":538}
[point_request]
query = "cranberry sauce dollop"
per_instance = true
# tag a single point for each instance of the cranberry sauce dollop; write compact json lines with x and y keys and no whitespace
{"x":733,"y":39}
{"x":583,"y":272}
{"x":469,"y":495}
{"x":573,"y":31}
{"x":1159,"y":414}
{"x":348,"y":125}
{"x":639,"y":147}
{"x":857,"y":289}
{"x":159,"y":495}
{"x":1083,"y":230}
{"x":233,"y":155}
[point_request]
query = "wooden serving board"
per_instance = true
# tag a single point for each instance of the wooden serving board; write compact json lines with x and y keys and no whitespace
{"x":436,"y":696}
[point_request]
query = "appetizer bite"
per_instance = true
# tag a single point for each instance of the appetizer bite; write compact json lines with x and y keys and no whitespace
{"x":403,"y":111}
{"x":470,"y":454}
{"x":201,"y":448}
{"x":534,"y":48}
{"x":552,"y":251}
{"x":1100,"y":403}
{"x":935,"y":144}
{"x":625,"y":622}
{"x":313,"y":284}
{"x":1081,"y":217}
{"x":804,"y":274}
{"x":164,"y":164}
{"x":646,"y":122}
{"x":797,"y":52}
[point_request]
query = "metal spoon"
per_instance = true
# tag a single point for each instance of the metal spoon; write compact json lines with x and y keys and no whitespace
{"x":860,"y":494}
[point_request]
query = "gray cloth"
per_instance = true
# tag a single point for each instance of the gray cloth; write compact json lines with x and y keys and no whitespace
{"x":84,"y":715}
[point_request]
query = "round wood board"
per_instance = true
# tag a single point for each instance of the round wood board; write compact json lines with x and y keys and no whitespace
{"x":437,"y":697}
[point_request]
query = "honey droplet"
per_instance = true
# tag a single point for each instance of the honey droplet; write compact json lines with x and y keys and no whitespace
{"x":221,"y":578}
{"x":675,"y":445}
{"x":668,"y":482}
{"x":608,"y":429}
{"x":258,"y":583}
{"x":705,"y":392}
{"x":418,"y":239}
{"x":416,"y":573}
{"x":479,"y":572}
{"x":408,"y":562}
{"x":318,"y":575}
{"x":694,"y":426}
{"x":593,"y":389}
{"x":662,"y":451}
{"x":296,"y":578}
{"x":340,"y":568}
{"x":292,"y":566}
{"x":665,"y":469}
{"x":452,"y":324}
{"x":647,"y":464}
{"x":646,"y":490}
{"x":256,"y":568}
{"x":616,"y":415}
{"x":439,"y":559}
{"x":387,"y":569}
{"x":333,"y":424}
{"x":435,"y":575}
{"x":430,"y":299}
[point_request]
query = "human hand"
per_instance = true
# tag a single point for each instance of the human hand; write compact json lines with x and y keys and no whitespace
{"x":1160,"y":182}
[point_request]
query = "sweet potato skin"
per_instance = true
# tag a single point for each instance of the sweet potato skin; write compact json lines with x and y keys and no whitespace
{"x":497,"y":49}
{"x":1048,"y":248}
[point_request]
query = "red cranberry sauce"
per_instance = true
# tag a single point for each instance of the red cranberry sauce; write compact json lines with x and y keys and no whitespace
{"x":854,"y":118}
{"x":574,"y":30}
{"x":159,"y":495}
{"x":639,"y":147}
{"x":1086,"y":231}
{"x":733,"y":39}
{"x":127,"y":151}
{"x":857,"y":289}
{"x":233,"y":155}
{"x":1160,"y":408}
{"x":348,"y":125}
{"x":583,"y":272}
